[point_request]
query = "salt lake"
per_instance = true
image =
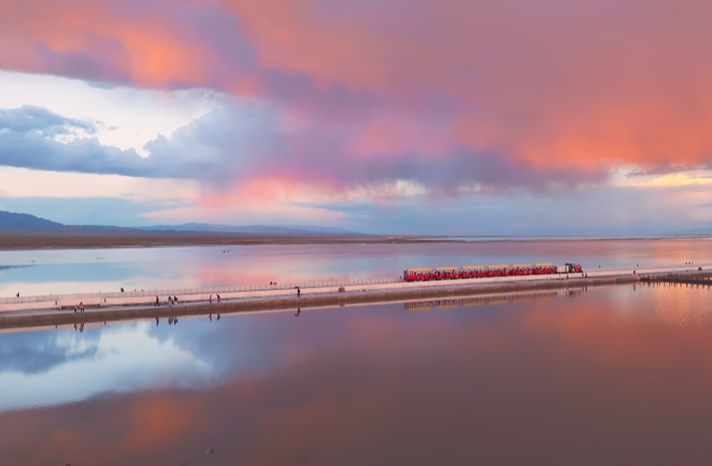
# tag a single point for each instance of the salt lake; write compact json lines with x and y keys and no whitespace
{"x":604,"y":375}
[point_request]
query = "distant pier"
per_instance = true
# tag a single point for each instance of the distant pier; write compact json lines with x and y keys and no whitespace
{"x":699,"y":278}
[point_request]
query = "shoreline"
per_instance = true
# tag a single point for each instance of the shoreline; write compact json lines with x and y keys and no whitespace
{"x":52,"y":241}
{"x":319,"y":297}
{"x":36,"y":241}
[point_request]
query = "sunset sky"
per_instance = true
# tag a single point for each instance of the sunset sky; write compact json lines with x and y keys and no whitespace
{"x":460,"y":117}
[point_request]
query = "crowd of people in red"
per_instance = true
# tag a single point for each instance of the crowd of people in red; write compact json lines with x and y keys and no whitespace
{"x":444,"y":273}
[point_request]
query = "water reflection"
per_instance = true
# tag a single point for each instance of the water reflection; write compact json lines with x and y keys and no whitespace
{"x":65,"y":367}
{"x":480,"y":300}
{"x":595,"y":377}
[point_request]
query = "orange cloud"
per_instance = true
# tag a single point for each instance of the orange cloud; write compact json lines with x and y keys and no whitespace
{"x":274,"y":187}
{"x":99,"y":40}
{"x":580,"y":85}
{"x":573,"y":88}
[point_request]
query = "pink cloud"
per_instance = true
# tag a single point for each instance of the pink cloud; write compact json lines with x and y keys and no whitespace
{"x":554,"y":85}
{"x":505,"y":92}
{"x":395,"y":135}
{"x":99,"y":40}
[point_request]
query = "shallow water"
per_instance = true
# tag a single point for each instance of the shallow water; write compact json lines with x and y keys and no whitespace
{"x":41,"y":272}
{"x":607,"y":375}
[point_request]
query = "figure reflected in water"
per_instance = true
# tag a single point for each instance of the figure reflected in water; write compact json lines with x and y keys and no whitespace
{"x":299,"y":311}
{"x":156,"y":321}
{"x":218,"y":316}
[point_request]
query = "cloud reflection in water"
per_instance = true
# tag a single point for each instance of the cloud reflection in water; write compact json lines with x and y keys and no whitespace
{"x":127,"y":358}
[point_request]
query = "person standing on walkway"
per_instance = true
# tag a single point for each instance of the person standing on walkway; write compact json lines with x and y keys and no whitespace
{"x":299,"y":292}
{"x":157,"y":303}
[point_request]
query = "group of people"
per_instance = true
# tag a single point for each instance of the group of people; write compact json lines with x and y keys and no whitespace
{"x":171,"y":301}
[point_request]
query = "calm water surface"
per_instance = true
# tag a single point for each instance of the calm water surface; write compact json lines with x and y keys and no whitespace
{"x":608,"y":375}
{"x":39,"y":272}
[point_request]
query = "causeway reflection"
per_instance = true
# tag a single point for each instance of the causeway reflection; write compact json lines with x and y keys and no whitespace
{"x":611,"y":375}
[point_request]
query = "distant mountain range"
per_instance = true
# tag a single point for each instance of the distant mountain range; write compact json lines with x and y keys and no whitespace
{"x":15,"y":222}
{"x":12,"y":223}
{"x":19,"y":223}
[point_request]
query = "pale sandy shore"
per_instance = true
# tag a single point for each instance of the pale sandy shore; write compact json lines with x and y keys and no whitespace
{"x":59,"y":310}
{"x":156,"y":239}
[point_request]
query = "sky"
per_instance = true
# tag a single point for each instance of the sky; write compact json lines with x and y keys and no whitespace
{"x":443,"y":117}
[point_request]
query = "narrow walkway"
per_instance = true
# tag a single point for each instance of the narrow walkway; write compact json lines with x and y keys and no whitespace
{"x":60,"y":311}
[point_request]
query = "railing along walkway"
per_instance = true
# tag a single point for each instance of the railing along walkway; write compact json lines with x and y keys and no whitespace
{"x":199,"y":291}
